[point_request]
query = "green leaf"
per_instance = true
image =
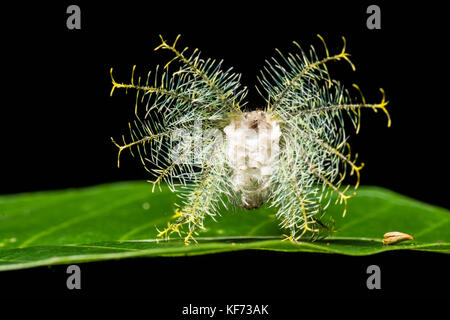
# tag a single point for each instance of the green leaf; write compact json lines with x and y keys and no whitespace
{"x":119,"y":220}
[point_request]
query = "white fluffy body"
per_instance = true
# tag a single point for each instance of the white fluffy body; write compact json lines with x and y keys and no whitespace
{"x":252,"y":146}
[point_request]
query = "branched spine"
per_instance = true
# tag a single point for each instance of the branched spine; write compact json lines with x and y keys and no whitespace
{"x":309,"y":105}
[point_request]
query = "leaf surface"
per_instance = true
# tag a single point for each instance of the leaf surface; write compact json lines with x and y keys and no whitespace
{"x":119,"y":220}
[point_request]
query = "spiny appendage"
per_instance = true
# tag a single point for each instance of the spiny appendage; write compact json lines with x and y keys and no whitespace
{"x":354,"y":107}
{"x":316,"y":229}
{"x":298,"y":203}
{"x":224,"y":84}
{"x":301,"y":79}
{"x":189,"y":216}
{"x":306,"y":173}
{"x":199,"y":91}
{"x":200,"y":190}
{"x":279,"y":80}
{"x":341,"y":152}
{"x":200,"y":203}
{"x":310,"y":105}
{"x":135,"y":143}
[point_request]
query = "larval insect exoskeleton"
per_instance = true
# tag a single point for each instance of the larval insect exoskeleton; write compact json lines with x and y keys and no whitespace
{"x":252,"y":146}
{"x":293,"y":154}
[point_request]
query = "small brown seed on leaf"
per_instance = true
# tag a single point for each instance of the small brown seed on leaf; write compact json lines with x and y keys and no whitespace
{"x":395,"y":237}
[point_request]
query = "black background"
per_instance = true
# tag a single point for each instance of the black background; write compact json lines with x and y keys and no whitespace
{"x":57,"y":119}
